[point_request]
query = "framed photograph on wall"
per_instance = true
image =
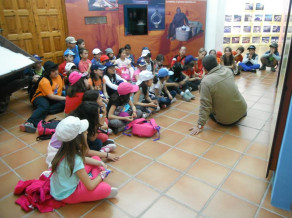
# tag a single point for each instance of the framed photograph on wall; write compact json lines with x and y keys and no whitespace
{"x":226,"y":40}
{"x":246,"y":29}
{"x":249,"y":6}
{"x":96,"y":5}
{"x":275,"y":39}
{"x":276,"y":29}
{"x":267,"y":29}
{"x":256,"y":29}
{"x":277,"y":18}
{"x":245,"y":39}
{"x":236,"y":29}
{"x":237,"y":18}
{"x":228,"y":18}
{"x":265,"y":39}
{"x":260,"y":6}
{"x":268,"y":17}
{"x":235,"y":40}
{"x":255,"y":39}
{"x":227,"y":29}
{"x":248,"y":17}
{"x":258,"y":17}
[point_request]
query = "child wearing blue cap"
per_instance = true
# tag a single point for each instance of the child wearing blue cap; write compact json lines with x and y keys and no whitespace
{"x":69,"y":57}
{"x":159,"y":89}
{"x":189,"y":71}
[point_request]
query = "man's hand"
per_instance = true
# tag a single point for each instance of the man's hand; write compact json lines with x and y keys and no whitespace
{"x":195,"y":130}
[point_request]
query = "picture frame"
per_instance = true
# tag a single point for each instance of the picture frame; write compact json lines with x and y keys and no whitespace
{"x":227,"y":29}
{"x":248,"y":18}
{"x":255,"y":39}
{"x":249,"y":6}
{"x":258,"y":17}
{"x":237,"y":18}
{"x":235,"y":40}
{"x":246,"y":29}
{"x":268,"y":17}
{"x":226,"y":40}
{"x":276,"y":29}
{"x":257,"y":29}
{"x":265,"y":39}
{"x":245,"y":39}
{"x":277,"y":18}
{"x":228,"y":18}
{"x":236,"y":29}
{"x":266,"y":29}
{"x":260,"y":6}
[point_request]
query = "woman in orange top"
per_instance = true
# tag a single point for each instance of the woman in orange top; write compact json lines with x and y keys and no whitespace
{"x":47,"y":98}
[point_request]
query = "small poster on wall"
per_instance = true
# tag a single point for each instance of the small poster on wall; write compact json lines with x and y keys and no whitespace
{"x":256,"y":39}
{"x":227,"y":29}
{"x":265,"y":39}
{"x":245,"y":39}
{"x":248,"y":18}
{"x":237,"y":18}
{"x":275,"y":39}
{"x":277,"y":18}
{"x":236,"y":29}
{"x":260,"y":6}
{"x":249,"y":6}
{"x":268,"y":17}
{"x":267,"y":29}
{"x":103,"y":5}
{"x":257,"y":29}
{"x":258,"y":17}
{"x":226,"y":40}
{"x":235,"y":40}
{"x":228,"y":18}
{"x":247,"y":29}
{"x":276,"y":29}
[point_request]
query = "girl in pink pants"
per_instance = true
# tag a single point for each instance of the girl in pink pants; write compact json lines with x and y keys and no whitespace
{"x":70,"y":181}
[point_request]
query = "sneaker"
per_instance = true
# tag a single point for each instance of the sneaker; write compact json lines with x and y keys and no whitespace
{"x":109,"y":131}
{"x":108,"y":141}
{"x":114,"y":193}
{"x":157,"y":109}
{"x":173,"y":100}
{"x":263,"y":67}
{"x":186,"y":97}
{"x":273,"y":69}
{"x":108,"y":148}
{"x":27,"y":127}
{"x":145,"y":115}
{"x":163,"y":106}
{"x":190,"y":94}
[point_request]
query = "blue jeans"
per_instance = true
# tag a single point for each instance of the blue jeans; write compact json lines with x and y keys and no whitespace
{"x":248,"y":66}
{"x":45,"y":106}
{"x":166,"y":100}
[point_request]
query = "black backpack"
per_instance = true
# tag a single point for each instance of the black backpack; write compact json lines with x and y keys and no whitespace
{"x":33,"y":88}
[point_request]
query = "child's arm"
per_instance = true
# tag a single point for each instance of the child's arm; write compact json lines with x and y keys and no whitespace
{"x":111,"y":115}
{"x":91,"y":153}
{"x":172,"y":84}
{"x":134,"y":114}
{"x":167,"y":92}
{"x":91,"y":161}
{"x":104,"y":91}
{"x":137,"y":102}
{"x":156,"y":92}
{"x":84,"y":178}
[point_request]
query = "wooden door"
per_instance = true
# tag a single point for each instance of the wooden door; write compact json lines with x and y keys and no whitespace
{"x":36,"y":26}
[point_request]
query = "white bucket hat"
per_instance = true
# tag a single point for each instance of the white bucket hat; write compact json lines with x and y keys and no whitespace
{"x":144,"y":76}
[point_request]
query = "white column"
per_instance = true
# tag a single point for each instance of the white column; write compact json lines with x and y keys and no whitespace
{"x":215,"y":24}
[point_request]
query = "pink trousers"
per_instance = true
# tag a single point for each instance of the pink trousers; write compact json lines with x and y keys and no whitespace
{"x":81,"y":194}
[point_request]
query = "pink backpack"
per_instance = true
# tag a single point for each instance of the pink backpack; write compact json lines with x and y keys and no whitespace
{"x":143,"y":128}
{"x":47,"y":129}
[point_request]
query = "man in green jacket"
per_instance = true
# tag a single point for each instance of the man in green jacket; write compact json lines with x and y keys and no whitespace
{"x":219,"y":96}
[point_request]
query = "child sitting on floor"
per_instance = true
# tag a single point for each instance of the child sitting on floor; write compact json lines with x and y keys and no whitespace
{"x":121,"y":109}
{"x":142,"y":100}
{"x":112,"y":79}
{"x":159,"y":86}
{"x":124,"y":65}
{"x":141,"y":65}
{"x":70,"y":181}
{"x":85,"y":63}
{"x":199,"y":65}
{"x":110,"y":53}
{"x":97,"y":82}
{"x":158,"y":63}
{"x":69,"y":57}
{"x":228,"y":61}
{"x":78,"y":85}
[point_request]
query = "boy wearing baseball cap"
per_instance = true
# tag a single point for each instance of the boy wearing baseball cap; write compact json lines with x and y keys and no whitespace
{"x":250,"y":61}
{"x":68,"y":58}
{"x":71,"y":45}
{"x":96,"y":56}
{"x":271,"y":58}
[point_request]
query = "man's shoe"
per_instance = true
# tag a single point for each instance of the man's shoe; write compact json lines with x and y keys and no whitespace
{"x":263,"y":67}
{"x":27,"y":127}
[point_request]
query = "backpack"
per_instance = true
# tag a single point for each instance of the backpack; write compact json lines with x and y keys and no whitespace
{"x":143,"y":128}
{"x":47,"y":129}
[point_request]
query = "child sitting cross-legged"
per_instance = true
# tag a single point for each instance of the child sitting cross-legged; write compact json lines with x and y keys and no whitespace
{"x":121,"y":109}
{"x":142,"y":100}
{"x":74,"y":180}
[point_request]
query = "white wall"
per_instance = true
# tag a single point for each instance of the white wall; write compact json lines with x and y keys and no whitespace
{"x":215,"y":24}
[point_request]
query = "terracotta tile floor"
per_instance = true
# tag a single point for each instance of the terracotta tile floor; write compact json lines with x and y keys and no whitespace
{"x":219,"y":173}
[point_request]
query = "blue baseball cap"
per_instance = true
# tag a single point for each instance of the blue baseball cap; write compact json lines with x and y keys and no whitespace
{"x":68,"y":52}
{"x":141,"y":62}
{"x":163,"y":72}
{"x":97,"y":66}
{"x":109,"y":64}
{"x":38,"y":57}
{"x":145,"y":48}
{"x":190,"y":58}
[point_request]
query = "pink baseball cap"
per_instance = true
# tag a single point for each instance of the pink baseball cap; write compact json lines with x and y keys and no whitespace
{"x":74,"y":77}
{"x":126,"y":88}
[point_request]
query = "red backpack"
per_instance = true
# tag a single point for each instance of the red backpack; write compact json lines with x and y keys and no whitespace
{"x":143,"y":128}
{"x":47,"y":128}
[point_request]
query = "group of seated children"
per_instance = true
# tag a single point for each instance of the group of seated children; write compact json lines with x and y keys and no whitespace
{"x":102,"y":96}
